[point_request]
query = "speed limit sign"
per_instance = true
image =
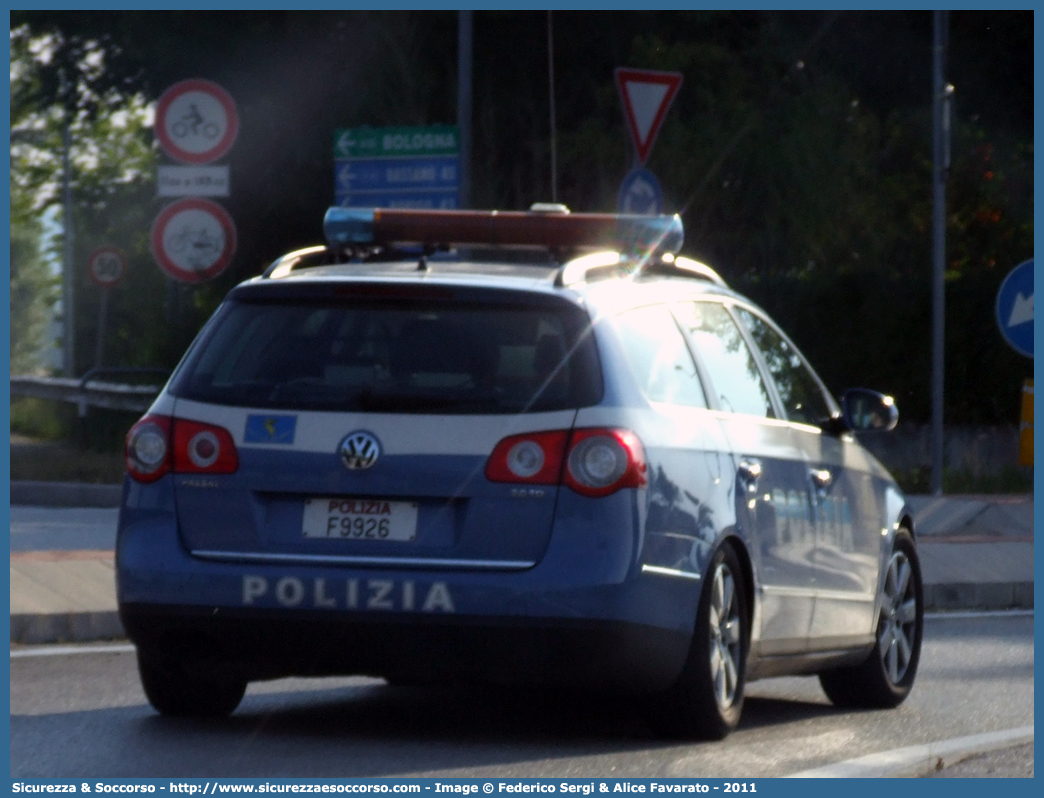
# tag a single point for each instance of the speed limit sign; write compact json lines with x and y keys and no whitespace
{"x":107,"y":265}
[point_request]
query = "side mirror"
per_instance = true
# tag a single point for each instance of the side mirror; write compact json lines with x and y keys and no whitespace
{"x":863,"y":410}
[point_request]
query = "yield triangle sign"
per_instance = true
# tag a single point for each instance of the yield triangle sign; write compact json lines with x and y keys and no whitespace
{"x":646,"y":96}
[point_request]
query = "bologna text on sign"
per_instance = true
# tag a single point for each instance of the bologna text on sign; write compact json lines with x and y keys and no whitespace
{"x":397,"y":167}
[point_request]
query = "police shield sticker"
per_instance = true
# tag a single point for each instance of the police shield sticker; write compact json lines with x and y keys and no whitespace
{"x":270,"y":429}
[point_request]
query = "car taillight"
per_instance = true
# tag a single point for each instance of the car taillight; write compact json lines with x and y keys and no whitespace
{"x":203,"y":449}
{"x":535,"y":458}
{"x":147,"y":452}
{"x":596,"y":462}
{"x":196,"y":449}
{"x":602,"y":461}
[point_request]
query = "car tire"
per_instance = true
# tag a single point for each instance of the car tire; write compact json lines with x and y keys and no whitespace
{"x":707,"y":699}
{"x":885,"y":678}
{"x":178,"y":688}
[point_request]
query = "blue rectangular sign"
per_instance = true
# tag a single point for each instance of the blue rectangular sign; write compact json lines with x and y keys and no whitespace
{"x":421,"y":200}
{"x":396,"y":174}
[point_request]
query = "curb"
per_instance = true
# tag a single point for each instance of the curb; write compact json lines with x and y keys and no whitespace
{"x":979,"y":596}
{"x":69,"y":627}
{"x":65,"y":494}
{"x":920,"y":760}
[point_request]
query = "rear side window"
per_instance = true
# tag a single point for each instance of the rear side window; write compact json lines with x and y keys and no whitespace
{"x":446,"y":357}
{"x":727,"y":358}
{"x":798,"y":389}
{"x":659,"y":359}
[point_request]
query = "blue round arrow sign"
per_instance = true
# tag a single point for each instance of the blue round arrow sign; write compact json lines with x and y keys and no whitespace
{"x":640,"y":193}
{"x":1015,"y":308}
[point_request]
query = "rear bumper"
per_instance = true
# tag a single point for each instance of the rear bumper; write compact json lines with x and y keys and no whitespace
{"x":263,"y":644}
{"x":587,"y":613}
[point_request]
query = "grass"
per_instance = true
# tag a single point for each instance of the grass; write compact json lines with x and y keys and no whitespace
{"x":41,"y":419}
{"x":48,"y":444}
{"x":64,"y":462}
{"x":42,"y":447}
{"x":1007,"y":480}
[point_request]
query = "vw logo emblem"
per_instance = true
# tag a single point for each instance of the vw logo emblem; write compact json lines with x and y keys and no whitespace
{"x":359,"y":450}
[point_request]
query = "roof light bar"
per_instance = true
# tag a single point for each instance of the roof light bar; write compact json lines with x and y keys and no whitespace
{"x":347,"y":227}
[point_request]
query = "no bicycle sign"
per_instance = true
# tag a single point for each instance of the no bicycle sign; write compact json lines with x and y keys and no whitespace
{"x":193,"y":240}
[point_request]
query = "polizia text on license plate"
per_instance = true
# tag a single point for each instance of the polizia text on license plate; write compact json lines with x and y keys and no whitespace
{"x":360,"y":519}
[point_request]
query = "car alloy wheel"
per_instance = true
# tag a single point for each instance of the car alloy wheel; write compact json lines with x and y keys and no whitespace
{"x":885,"y":677}
{"x":898,"y":623}
{"x":707,"y":699}
{"x":725,"y":636}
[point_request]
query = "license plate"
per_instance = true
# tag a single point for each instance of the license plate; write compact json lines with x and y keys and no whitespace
{"x":360,"y":519}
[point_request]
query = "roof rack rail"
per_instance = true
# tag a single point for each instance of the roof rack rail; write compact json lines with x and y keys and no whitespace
{"x":281,"y":267}
{"x":688,"y":267}
{"x":580,"y":269}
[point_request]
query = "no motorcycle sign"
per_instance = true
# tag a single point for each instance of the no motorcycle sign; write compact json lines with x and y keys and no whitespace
{"x":196,"y":121}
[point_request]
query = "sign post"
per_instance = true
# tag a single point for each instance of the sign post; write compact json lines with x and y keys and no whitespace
{"x":1014,"y":311}
{"x":1026,"y":425}
{"x":646,"y":95}
{"x":193,"y":240}
{"x":397,"y":167}
{"x":1015,"y":308}
{"x":196,"y":121}
{"x":640,"y":193}
{"x":192,"y":181}
{"x":106,"y":265}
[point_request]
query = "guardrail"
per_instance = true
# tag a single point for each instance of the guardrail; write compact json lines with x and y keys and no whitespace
{"x":89,"y":391}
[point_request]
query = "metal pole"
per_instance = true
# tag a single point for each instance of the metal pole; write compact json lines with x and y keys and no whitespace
{"x":68,"y":316}
{"x":464,"y":58}
{"x":940,"y":150}
{"x":99,"y":350}
{"x":554,"y":125}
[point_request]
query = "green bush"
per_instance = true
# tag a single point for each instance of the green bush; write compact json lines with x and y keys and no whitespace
{"x":43,"y":419}
{"x":49,"y":420}
{"x":1009,"y":479}
{"x":64,"y":462}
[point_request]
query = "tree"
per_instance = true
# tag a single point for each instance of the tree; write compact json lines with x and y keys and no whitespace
{"x":797,"y":152}
{"x":31,"y":298}
{"x":57,"y":78}
{"x":32,"y":285}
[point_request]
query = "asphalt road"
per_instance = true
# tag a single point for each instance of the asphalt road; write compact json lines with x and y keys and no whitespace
{"x":85,"y":715}
{"x":1013,"y":763}
{"x":63,"y":528}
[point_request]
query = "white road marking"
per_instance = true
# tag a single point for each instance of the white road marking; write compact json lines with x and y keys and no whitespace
{"x":917,"y":760}
{"x":62,"y":651}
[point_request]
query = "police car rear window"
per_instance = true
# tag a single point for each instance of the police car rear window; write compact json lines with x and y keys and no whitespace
{"x":398,"y":356}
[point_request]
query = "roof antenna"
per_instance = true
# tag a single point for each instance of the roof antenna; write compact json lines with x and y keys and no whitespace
{"x":422,"y":264}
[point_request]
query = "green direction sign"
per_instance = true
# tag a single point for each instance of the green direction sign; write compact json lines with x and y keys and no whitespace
{"x":395,"y":142}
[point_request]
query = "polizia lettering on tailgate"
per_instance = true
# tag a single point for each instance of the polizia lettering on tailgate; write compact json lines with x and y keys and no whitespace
{"x":350,"y":594}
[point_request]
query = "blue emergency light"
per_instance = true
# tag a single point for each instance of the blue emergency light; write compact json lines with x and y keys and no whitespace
{"x":348,"y":228}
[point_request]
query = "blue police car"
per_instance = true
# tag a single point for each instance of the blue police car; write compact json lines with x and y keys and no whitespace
{"x":518,"y":447}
